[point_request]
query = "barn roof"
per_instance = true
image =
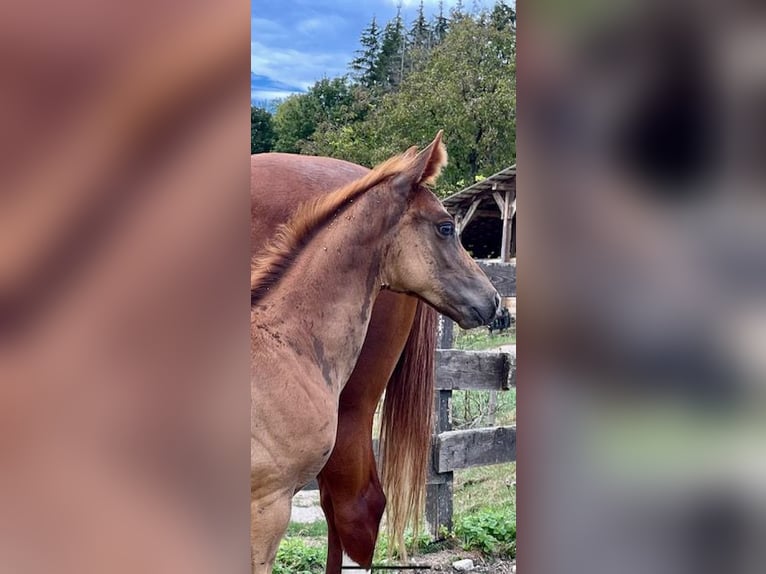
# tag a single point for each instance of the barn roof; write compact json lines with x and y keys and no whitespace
{"x":503,"y":180}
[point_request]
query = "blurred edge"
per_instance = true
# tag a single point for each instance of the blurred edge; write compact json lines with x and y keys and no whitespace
{"x":124,"y":342}
{"x":642,"y":443}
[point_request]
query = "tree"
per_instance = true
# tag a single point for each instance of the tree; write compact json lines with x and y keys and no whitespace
{"x":328,"y":102}
{"x":420,"y":32}
{"x":365,"y":65}
{"x":390,"y":63}
{"x":261,"y":130}
{"x":503,"y":16}
{"x":466,"y":86}
{"x":440,"y":25}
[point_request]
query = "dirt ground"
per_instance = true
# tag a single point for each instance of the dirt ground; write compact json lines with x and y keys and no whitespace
{"x":442,"y":562}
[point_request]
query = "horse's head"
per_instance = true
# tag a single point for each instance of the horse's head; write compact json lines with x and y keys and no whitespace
{"x":425,"y":256}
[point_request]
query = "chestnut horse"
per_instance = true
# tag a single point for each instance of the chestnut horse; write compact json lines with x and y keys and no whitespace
{"x":312,"y":290}
{"x":396,"y":356}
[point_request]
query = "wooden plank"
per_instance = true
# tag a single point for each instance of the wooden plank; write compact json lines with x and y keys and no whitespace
{"x":502,"y":276}
{"x":500,"y":202}
{"x":466,"y":219}
{"x":475,"y":370}
{"x":439,"y":486}
{"x":477,"y":447}
{"x":505,"y":246}
{"x":439,"y":508}
{"x":447,"y":338}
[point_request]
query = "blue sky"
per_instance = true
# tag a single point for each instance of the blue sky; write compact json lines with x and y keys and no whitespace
{"x":294,"y":43}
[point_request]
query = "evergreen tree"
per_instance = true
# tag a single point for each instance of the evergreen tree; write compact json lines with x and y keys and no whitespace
{"x":365,"y":65}
{"x":458,"y":10}
{"x":391,"y":61}
{"x":440,"y":25}
{"x":503,"y":16}
{"x":420,"y":32}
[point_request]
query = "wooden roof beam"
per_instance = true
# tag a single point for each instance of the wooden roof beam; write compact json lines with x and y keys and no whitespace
{"x":466,"y":219}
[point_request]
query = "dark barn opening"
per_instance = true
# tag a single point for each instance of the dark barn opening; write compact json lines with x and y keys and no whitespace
{"x":485,"y":213}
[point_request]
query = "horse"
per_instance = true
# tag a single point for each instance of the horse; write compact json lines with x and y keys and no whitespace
{"x":312,"y":289}
{"x":396,"y":356}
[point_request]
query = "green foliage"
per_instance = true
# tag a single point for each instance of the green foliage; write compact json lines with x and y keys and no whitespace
{"x":455,"y":73}
{"x":465,"y":85}
{"x":365,"y":66}
{"x":261,"y":130}
{"x":474,"y":409}
{"x":492,"y":531}
{"x":329,"y":103}
{"x":481,"y":339}
{"x":390,"y":64}
{"x":316,"y":529}
{"x":296,"y":557}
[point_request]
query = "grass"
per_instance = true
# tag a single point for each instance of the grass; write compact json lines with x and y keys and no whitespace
{"x":470,"y":409}
{"x":298,"y":556}
{"x":308,"y":530}
{"x":480,"y":339}
{"x":484,"y":487}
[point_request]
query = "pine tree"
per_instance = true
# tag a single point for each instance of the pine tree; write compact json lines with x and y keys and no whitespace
{"x":391,"y":61}
{"x":420,"y":32}
{"x":458,"y":10}
{"x":365,"y":65}
{"x":440,"y":25}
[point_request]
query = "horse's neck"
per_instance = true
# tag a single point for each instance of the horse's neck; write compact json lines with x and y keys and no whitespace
{"x":326,"y":300}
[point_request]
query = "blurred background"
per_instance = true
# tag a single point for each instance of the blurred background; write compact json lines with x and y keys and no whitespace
{"x":642,"y":444}
{"x":124,"y":356}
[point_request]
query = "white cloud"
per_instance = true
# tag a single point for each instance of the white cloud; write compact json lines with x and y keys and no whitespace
{"x":262,"y":95}
{"x":326,"y":24}
{"x":294,"y":67}
{"x":467,"y":4}
{"x":263,"y":30}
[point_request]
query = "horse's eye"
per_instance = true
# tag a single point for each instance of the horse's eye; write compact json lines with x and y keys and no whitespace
{"x":446,"y":229}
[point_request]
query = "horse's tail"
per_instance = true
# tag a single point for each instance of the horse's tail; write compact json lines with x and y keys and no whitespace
{"x":406,"y":429}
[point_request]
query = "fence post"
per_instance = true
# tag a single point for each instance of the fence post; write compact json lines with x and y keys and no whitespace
{"x":439,"y":487}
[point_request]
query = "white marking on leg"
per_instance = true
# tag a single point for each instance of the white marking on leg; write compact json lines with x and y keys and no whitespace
{"x":348,"y":562}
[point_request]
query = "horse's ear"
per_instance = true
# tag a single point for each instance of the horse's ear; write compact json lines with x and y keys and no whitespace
{"x":426,"y":166}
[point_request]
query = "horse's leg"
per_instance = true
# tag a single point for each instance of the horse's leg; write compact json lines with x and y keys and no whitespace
{"x":352,"y":492}
{"x":334,"y":546}
{"x":269,"y":520}
{"x":349,"y":481}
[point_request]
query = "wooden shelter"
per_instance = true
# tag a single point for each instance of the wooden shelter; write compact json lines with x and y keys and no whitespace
{"x":485,"y":213}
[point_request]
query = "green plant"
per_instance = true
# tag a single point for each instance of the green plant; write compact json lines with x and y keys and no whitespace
{"x":316,"y":529}
{"x":481,"y":339}
{"x":472,"y":409}
{"x":296,"y":557}
{"x":492,"y":531}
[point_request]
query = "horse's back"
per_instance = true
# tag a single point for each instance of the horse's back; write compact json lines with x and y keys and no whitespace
{"x":279,"y":182}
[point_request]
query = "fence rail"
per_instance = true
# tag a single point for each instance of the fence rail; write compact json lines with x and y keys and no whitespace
{"x":474,"y":370}
{"x":458,"y":449}
{"x":502,"y":275}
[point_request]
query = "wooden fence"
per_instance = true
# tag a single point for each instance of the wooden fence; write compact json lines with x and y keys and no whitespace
{"x":471,"y":371}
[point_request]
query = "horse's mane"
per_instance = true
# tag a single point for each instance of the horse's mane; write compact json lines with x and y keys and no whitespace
{"x":271,"y":263}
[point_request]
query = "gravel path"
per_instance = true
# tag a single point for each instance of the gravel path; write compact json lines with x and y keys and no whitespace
{"x":306,"y":507}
